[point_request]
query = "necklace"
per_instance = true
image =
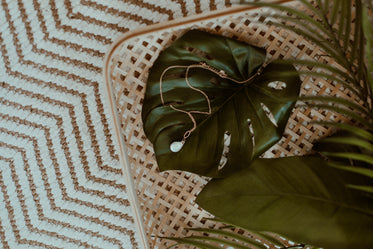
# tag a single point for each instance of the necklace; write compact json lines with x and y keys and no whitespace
{"x":177,"y":145}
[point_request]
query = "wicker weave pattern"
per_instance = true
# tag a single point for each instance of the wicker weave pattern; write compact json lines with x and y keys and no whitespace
{"x":167,"y":199}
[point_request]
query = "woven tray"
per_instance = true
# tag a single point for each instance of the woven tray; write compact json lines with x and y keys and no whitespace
{"x":164,"y":202}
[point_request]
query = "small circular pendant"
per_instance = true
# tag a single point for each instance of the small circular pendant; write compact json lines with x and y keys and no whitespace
{"x":176,"y":146}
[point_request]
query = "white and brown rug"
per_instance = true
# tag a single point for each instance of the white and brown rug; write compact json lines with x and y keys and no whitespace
{"x":61,"y":184}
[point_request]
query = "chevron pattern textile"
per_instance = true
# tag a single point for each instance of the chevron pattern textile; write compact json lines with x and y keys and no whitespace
{"x":61,"y":183}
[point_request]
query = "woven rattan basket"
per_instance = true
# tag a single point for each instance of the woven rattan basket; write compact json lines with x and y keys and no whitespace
{"x":164,"y":202}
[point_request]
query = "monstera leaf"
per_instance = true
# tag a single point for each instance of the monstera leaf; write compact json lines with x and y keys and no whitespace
{"x":252,"y":116}
{"x":301,"y":198}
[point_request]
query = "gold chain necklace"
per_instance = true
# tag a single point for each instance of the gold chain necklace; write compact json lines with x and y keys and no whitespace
{"x":177,"y":145}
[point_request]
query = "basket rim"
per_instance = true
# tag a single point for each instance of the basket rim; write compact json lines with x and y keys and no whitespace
{"x":110,"y":97}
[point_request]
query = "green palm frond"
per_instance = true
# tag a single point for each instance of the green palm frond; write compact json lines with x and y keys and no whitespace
{"x":358,"y":91}
{"x":316,"y":28}
{"x":362,"y":171}
{"x":348,"y":113}
{"x":353,"y":156}
{"x":206,"y":242}
{"x":209,"y":239}
{"x":367,"y":22}
{"x":347,"y":127}
{"x":353,"y":141}
{"x":330,"y":29}
{"x":315,"y":64}
{"x":232,"y":235}
{"x":337,"y":101}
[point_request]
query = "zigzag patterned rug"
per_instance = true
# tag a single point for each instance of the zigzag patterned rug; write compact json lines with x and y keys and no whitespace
{"x":61,"y":184}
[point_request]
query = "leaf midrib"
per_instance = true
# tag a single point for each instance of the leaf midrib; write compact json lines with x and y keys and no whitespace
{"x":225,"y":102}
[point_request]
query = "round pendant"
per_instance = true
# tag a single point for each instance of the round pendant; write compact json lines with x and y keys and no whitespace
{"x":176,"y":146}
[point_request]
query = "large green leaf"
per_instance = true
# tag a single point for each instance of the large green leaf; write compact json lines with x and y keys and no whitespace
{"x":302,"y":198}
{"x":234,"y":106}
